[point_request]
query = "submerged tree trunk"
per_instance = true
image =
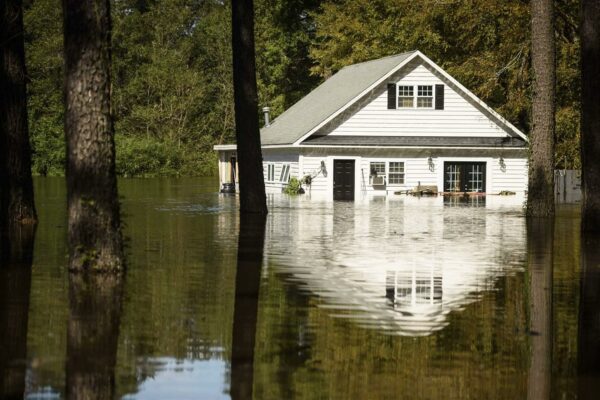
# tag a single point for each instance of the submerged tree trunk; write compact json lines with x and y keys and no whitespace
{"x":540,"y":196}
{"x":251,"y":180}
{"x":590,"y":114}
{"x":95,"y":304}
{"x":94,"y":227}
{"x":15,"y":286}
{"x":540,"y":244}
{"x":245,"y":314}
{"x":16,"y":187}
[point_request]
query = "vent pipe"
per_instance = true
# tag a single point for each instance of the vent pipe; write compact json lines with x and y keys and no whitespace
{"x":267,"y":112}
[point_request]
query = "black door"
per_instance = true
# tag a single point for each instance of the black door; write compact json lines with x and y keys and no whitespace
{"x":343,"y":179}
{"x":464,"y":177}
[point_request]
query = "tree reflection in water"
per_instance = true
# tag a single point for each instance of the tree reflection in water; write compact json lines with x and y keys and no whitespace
{"x":589,"y":319}
{"x":93,"y":332}
{"x":15,"y":287}
{"x":247,"y":283}
{"x":540,"y":240}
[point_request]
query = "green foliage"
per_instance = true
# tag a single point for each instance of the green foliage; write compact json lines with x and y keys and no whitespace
{"x":293,"y":187}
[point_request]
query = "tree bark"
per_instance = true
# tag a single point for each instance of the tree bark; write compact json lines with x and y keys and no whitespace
{"x":245,"y":314}
{"x":540,"y":240}
{"x":95,"y":303}
{"x":251,"y":180}
{"x":16,"y":186}
{"x":540,"y":197}
{"x":590,"y":114}
{"x":94,"y":227}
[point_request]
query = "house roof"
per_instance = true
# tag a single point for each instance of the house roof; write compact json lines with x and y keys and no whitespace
{"x":326,"y":99}
{"x":417,"y":141}
{"x":342,"y":90}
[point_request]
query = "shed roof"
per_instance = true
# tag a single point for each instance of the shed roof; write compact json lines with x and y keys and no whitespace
{"x":326,"y":99}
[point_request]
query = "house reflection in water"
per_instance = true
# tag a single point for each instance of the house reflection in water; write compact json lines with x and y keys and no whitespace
{"x":401,"y":265}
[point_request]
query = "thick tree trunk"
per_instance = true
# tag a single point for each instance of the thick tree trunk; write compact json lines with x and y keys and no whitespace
{"x":245,"y":314}
{"x":540,"y":241}
{"x":95,"y":302}
{"x":590,"y":114}
{"x":540,"y":197}
{"x":94,"y":227}
{"x":588,"y":330}
{"x":15,"y":286}
{"x":251,"y":181}
{"x":16,"y":187}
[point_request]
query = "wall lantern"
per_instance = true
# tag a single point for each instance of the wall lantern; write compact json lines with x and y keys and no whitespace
{"x":323,"y":169}
{"x":502,"y":164}
{"x":431,"y":164}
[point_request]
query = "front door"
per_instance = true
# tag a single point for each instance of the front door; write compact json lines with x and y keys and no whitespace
{"x":464,"y":177}
{"x":343,"y":179}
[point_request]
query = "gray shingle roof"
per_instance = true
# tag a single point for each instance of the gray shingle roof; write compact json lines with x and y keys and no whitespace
{"x":420,"y":141}
{"x":326,"y":99}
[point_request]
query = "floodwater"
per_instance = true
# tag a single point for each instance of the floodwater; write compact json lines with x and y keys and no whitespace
{"x":397,"y":298}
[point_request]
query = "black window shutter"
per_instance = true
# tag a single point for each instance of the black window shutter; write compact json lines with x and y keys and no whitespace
{"x":391,"y":96}
{"x":439,"y":97}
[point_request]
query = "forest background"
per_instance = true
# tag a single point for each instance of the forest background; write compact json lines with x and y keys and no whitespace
{"x":172,"y":68}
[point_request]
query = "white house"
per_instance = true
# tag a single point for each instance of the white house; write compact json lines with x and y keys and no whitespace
{"x":387,"y":126}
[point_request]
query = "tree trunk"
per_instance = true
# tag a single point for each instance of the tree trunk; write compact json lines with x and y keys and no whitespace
{"x":540,"y":197}
{"x":16,"y":186}
{"x":540,"y":241}
{"x":95,"y":304}
{"x":590,"y":114}
{"x":94,"y":227}
{"x":245,"y":314}
{"x":251,"y":180}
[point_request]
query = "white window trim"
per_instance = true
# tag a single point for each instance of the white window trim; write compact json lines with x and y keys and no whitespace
{"x":415,"y":96}
{"x":269,"y":167}
{"x":285,"y":173}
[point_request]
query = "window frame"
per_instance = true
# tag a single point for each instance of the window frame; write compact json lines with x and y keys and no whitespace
{"x":391,"y":173}
{"x":284,"y":173}
{"x":400,"y":89}
{"x":270,"y":172}
{"x":430,"y":97}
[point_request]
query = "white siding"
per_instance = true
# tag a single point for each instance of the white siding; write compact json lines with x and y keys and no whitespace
{"x":458,"y":118}
{"x":512,"y":178}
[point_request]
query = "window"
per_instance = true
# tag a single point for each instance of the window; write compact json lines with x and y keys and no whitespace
{"x":396,"y":173}
{"x":270,"y":172}
{"x":424,"y":96}
{"x":285,"y":173}
{"x":377,"y":169}
{"x":405,"y":97}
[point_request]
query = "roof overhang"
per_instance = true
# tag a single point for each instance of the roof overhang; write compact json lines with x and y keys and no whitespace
{"x":225,"y":147}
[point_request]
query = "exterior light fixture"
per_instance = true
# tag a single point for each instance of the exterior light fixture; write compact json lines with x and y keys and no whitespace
{"x":431,"y":164}
{"x":323,"y":169}
{"x":502,"y":164}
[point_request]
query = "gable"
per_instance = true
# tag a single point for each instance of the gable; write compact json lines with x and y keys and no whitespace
{"x":460,"y":116}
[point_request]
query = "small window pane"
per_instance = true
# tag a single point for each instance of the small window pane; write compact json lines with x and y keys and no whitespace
{"x":424,"y":102}
{"x":425,"y":91}
{"x":425,"y":96}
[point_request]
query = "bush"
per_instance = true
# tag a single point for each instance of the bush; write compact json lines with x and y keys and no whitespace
{"x":293,"y":187}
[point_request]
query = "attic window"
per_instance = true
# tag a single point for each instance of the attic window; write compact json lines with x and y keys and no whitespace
{"x":405,"y":97}
{"x":425,"y":96}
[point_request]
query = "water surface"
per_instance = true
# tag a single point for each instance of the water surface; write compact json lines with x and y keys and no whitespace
{"x":396,"y":297}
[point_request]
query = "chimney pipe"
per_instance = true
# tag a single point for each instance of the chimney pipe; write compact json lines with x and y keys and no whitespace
{"x":267,"y":112}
